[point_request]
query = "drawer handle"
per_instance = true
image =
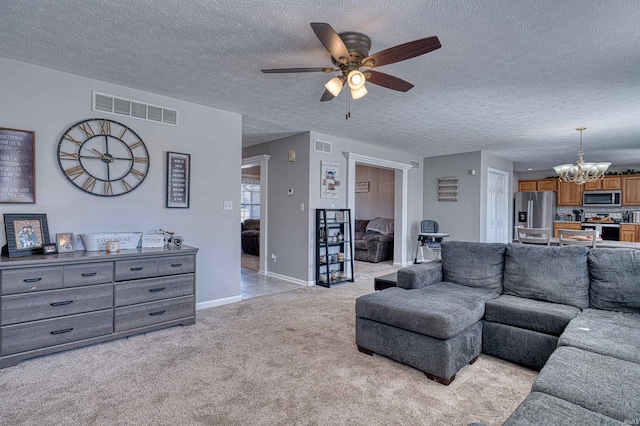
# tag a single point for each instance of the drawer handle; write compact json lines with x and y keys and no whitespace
{"x":89,"y":274}
{"x":153,"y":314}
{"x":176,"y":265}
{"x":64,"y":330}
{"x":32,"y":280}
{"x":153,"y":290}
{"x":139,"y":268}
{"x":66,"y":302}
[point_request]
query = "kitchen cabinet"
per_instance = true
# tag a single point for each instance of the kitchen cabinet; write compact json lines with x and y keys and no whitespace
{"x":527,"y":186}
{"x":629,"y":233}
{"x":569,"y":194}
{"x":537,"y":185}
{"x":631,"y":191}
{"x":565,"y":225}
{"x":610,"y":182}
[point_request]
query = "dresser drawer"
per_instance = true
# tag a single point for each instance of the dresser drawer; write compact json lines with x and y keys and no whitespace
{"x":88,"y":273}
{"x":139,"y":268}
{"x":145,"y":314}
{"x":176,"y":265}
{"x":152,"y":289}
{"x":40,"y":334}
{"x":31,"y":279}
{"x":55,"y":303}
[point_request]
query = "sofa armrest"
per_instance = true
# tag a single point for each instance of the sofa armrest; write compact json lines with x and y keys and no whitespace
{"x":418,"y":276}
{"x":378,"y":238}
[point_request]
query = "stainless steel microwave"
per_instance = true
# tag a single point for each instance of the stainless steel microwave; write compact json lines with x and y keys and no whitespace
{"x":601,"y":198}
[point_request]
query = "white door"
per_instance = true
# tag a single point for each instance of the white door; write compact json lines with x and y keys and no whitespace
{"x":497,"y":207}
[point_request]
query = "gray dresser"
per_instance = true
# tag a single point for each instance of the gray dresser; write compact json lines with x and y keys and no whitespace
{"x":57,"y":302}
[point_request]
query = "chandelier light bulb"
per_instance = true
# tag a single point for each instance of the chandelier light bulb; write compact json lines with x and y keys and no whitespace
{"x":358,"y":93}
{"x":356,"y":80}
{"x":334,"y":86}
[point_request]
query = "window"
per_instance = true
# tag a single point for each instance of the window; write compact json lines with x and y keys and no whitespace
{"x":250,"y":199}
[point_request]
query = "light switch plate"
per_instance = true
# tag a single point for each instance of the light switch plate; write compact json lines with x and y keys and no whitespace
{"x":227,"y":205}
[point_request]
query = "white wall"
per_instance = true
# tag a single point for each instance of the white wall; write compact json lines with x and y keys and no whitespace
{"x":376,"y":202}
{"x":48,"y":102}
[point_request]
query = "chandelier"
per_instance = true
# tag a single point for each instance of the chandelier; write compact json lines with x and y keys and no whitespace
{"x":581,"y":172}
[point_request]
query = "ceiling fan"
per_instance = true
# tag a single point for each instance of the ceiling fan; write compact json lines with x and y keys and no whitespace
{"x":350,"y":52}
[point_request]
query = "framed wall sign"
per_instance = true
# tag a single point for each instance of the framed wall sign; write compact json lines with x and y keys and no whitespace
{"x":17,"y":166}
{"x":329,"y":179}
{"x":178,"y":180}
{"x":362,"y":186}
{"x":26,"y":233}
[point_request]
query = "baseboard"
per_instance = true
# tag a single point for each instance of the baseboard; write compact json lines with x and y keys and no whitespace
{"x":290,"y":279}
{"x":402,"y":264}
{"x":262,"y":272}
{"x":218,"y":302}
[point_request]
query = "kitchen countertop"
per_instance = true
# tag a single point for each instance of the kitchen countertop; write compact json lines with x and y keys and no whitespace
{"x":566,"y":221}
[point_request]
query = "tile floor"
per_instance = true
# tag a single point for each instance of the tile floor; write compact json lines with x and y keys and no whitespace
{"x":254,"y":285}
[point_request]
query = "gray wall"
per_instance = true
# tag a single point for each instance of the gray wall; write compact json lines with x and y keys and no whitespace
{"x":48,"y":102}
{"x":459,"y":219}
{"x":287,"y":225}
{"x":340,"y":146}
{"x":376,"y":202}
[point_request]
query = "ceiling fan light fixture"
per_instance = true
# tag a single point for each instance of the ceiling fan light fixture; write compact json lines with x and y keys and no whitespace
{"x":358,"y":93}
{"x":356,"y":80}
{"x":334,"y":86}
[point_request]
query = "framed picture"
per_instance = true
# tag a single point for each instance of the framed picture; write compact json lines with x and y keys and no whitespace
{"x":50,"y":248}
{"x":64,"y":242}
{"x":339,"y":216}
{"x":362,"y":186}
{"x":329,"y":179}
{"x":18,"y":180}
{"x":178,"y":176}
{"x":26,"y":233}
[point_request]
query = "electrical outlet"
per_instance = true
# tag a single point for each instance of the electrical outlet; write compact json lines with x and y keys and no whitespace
{"x":227,"y":205}
{"x":274,"y":258}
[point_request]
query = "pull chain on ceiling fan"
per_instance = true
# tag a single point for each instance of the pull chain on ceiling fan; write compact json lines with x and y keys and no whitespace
{"x":350,"y":52}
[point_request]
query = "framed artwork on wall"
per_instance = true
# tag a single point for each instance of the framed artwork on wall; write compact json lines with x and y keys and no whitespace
{"x":18,"y":163}
{"x":329,"y":179}
{"x":362,"y":186}
{"x":178,"y":180}
{"x":26,"y":233}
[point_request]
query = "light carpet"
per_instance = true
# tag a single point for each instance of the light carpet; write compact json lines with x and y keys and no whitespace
{"x":288,"y":358}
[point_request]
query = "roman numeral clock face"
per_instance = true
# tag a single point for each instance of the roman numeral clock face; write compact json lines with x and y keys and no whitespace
{"x":103,"y":157}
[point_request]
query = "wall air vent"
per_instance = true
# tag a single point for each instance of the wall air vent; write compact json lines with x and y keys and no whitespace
{"x":415,"y":164}
{"x":320,"y":146}
{"x":112,"y":104}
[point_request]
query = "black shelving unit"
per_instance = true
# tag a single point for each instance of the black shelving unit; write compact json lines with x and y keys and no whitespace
{"x":334,"y":247}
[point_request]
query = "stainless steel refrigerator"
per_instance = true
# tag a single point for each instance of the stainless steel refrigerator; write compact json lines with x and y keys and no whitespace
{"x":535,"y":209}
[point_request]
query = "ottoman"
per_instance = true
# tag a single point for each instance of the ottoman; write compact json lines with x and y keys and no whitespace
{"x":435,"y":329}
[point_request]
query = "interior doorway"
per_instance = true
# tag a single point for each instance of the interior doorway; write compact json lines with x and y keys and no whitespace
{"x":498,"y":198}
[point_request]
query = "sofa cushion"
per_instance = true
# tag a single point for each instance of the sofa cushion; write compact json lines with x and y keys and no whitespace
{"x":552,"y":274}
{"x":361,"y":225}
{"x":544,"y":317}
{"x":542,"y":409}
{"x":381,"y":225}
{"x":615,"y":279}
{"x":251,"y":225}
{"x":442,"y":310}
{"x":473,"y":264}
{"x":609,"y":333}
{"x":596,"y":382}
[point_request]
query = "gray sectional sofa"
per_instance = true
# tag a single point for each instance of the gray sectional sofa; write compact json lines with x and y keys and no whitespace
{"x":570,"y":311}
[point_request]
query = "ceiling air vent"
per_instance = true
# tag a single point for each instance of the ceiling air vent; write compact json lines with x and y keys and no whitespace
{"x":415,"y":164}
{"x":140,"y":110}
{"x":321,"y":146}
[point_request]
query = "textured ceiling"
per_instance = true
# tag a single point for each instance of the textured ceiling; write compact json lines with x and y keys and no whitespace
{"x":514,"y":77}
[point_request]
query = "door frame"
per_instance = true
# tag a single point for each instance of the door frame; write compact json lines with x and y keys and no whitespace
{"x":263,"y":162}
{"x":400,"y":214}
{"x":506,"y":200}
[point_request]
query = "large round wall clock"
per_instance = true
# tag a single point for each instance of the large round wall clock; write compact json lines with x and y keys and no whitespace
{"x":103,"y":157}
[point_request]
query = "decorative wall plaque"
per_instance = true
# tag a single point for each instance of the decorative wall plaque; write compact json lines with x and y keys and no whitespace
{"x":178,"y":180}
{"x":448,"y":188}
{"x":17,"y":166}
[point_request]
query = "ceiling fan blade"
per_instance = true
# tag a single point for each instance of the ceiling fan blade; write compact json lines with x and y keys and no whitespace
{"x":286,"y":70}
{"x":330,"y":40}
{"x":388,"y":81}
{"x":404,"y":51}
{"x":326,"y":96}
